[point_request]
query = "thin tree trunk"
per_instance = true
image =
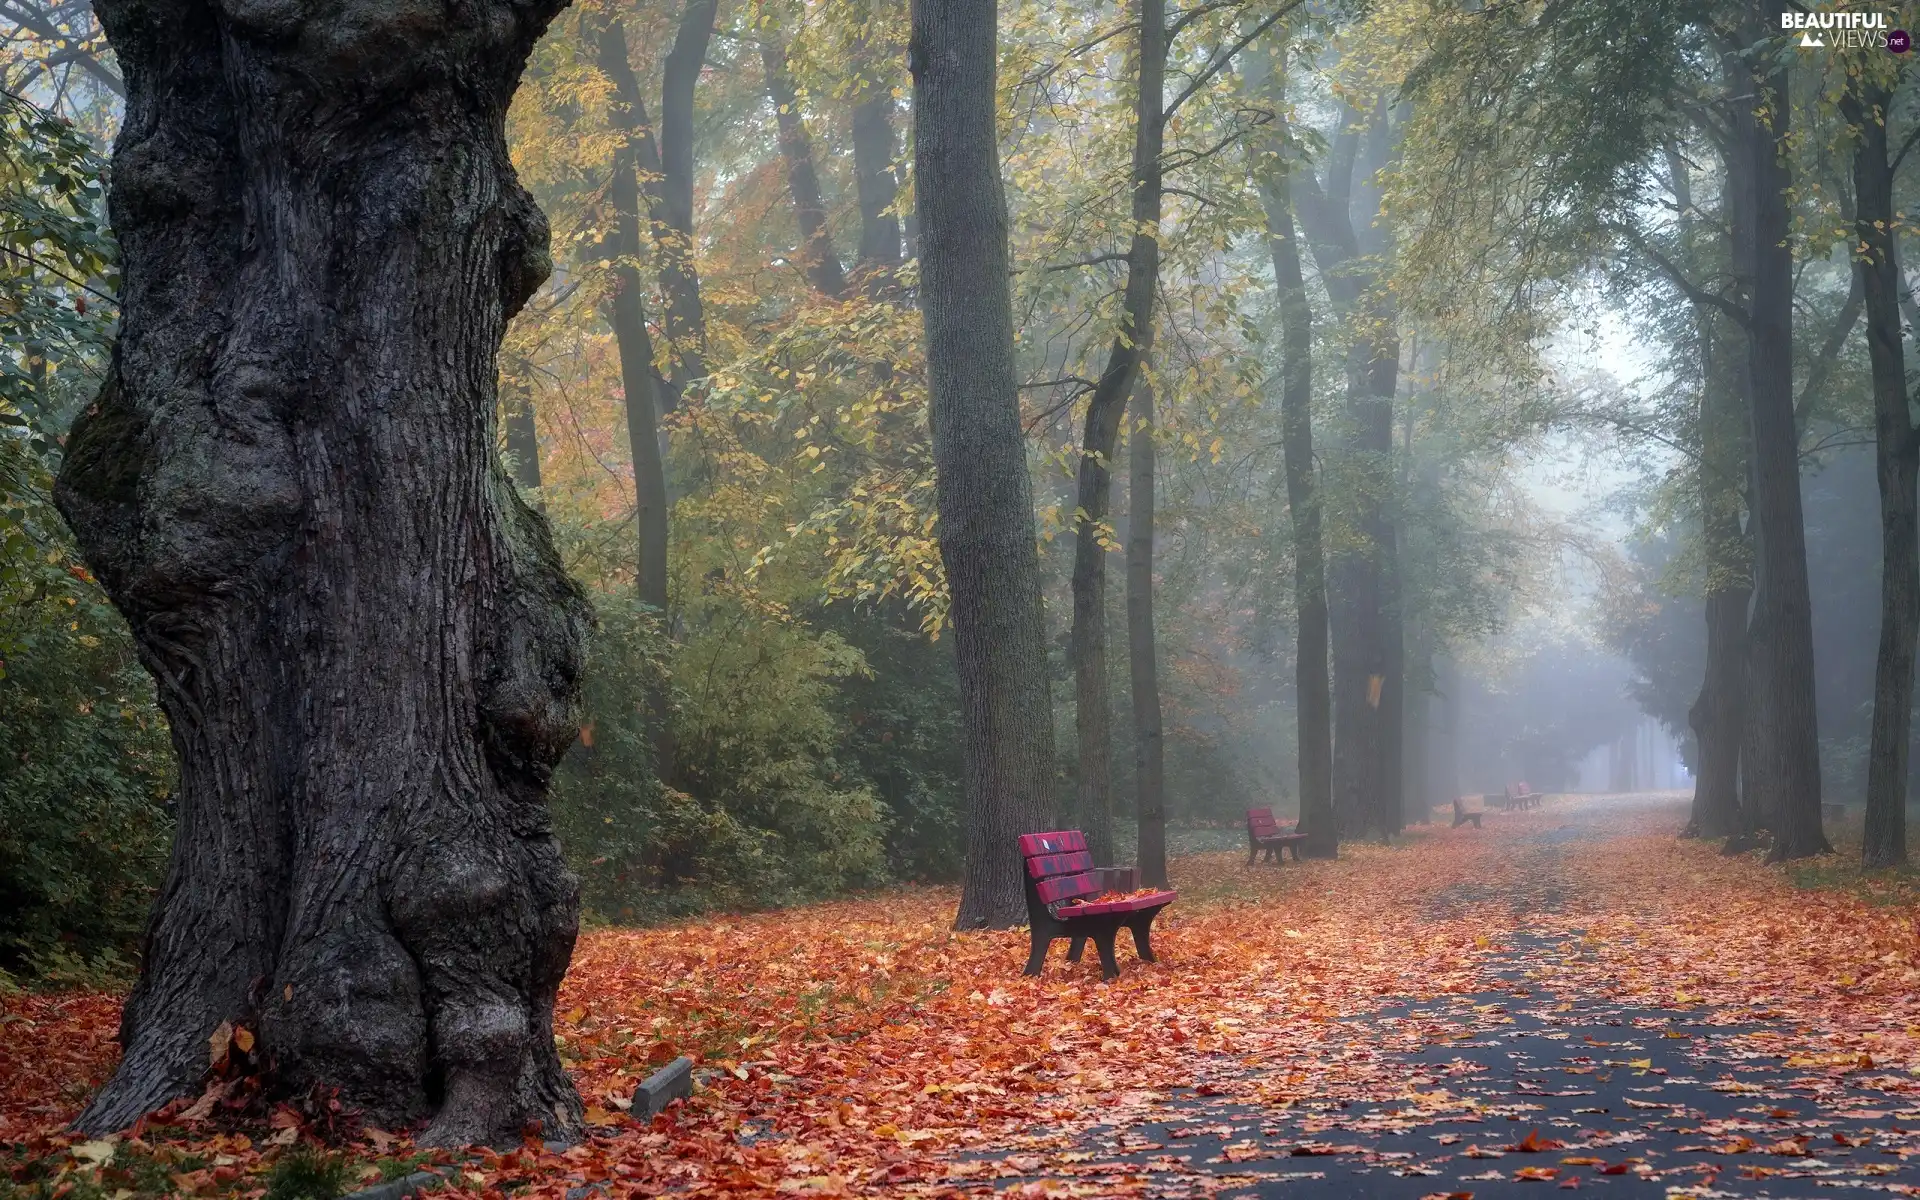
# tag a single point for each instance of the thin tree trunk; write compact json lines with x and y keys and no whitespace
{"x":1897,"y":457}
{"x":1415,"y":782}
{"x":672,"y":200}
{"x":1784,"y":775}
{"x":1313,"y":705}
{"x":1446,"y":744}
{"x":1087,"y":641}
{"x":818,"y":259}
{"x":874,"y":180}
{"x":523,"y":440}
{"x":1385,"y":636}
{"x":364,"y":642}
{"x":982,"y":488}
{"x":626,"y":312}
{"x":1718,"y":714}
{"x":1149,"y":757}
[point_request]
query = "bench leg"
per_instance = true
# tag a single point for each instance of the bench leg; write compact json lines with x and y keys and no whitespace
{"x":1459,"y":820}
{"x":1142,"y":930}
{"x":1253,"y":852}
{"x":1273,"y":853}
{"x":1103,"y":942}
{"x":1295,"y":847}
{"x":1476,"y":820}
{"x":1037,"y":958}
{"x":1076,"y":946}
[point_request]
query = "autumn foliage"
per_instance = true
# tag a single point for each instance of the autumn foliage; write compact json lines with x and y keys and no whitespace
{"x":861,"y":1043}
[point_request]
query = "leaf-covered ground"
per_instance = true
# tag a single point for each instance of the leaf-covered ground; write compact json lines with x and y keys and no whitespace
{"x":1568,"y":997}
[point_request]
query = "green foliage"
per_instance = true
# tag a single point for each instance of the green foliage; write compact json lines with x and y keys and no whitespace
{"x":901,"y":732}
{"x":758,"y":812}
{"x":84,"y":755}
{"x":56,"y":271}
{"x":309,"y":1173}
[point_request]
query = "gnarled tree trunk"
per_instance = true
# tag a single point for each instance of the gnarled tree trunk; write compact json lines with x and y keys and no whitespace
{"x":981,"y":485}
{"x":363,"y":640}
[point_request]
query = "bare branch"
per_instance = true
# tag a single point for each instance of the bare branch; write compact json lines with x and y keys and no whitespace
{"x":1095,"y":261}
{"x":1221,"y":60}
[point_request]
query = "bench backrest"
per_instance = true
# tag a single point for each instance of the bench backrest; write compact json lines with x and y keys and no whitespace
{"x":1260,"y":824}
{"x":1059,"y":867}
{"x":1467,"y":804}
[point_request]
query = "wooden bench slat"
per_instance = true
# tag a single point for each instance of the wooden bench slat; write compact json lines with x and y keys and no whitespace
{"x":1066,"y":887}
{"x":1046,"y":866}
{"x":1059,"y":841}
{"x":1129,"y":904}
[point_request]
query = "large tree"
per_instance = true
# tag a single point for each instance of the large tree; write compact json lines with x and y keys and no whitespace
{"x":982,"y":488}
{"x":1313,"y":688}
{"x":1866,"y":104}
{"x":1363,"y":574}
{"x":363,"y":640}
{"x":1782,"y":769}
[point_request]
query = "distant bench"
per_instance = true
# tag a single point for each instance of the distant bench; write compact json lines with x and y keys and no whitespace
{"x":1468,"y":808}
{"x":1520,"y":795}
{"x":1063,"y":887}
{"x":1265,"y":833}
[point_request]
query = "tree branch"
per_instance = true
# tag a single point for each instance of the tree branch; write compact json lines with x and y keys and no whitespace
{"x":1095,"y":261}
{"x":1822,"y":365}
{"x":1679,"y":279}
{"x":1220,"y":61}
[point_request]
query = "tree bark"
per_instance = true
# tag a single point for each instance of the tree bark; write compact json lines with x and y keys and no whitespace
{"x":1897,"y":458}
{"x":1783,"y":776}
{"x":1087,"y":641}
{"x":818,"y":259}
{"x":982,"y":488}
{"x":1313,"y":705}
{"x":1149,"y":751}
{"x":365,"y":644}
{"x":672,"y":200}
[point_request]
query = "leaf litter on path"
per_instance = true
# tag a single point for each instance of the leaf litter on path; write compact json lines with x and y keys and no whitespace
{"x":1342,"y":1023}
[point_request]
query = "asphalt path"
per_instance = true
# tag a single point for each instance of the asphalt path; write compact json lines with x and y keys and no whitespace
{"x":1517,"y":1092}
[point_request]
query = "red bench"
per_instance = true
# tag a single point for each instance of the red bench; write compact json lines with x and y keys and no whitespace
{"x":1265,"y":833}
{"x":1520,"y":795}
{"x":1063,"y":890}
